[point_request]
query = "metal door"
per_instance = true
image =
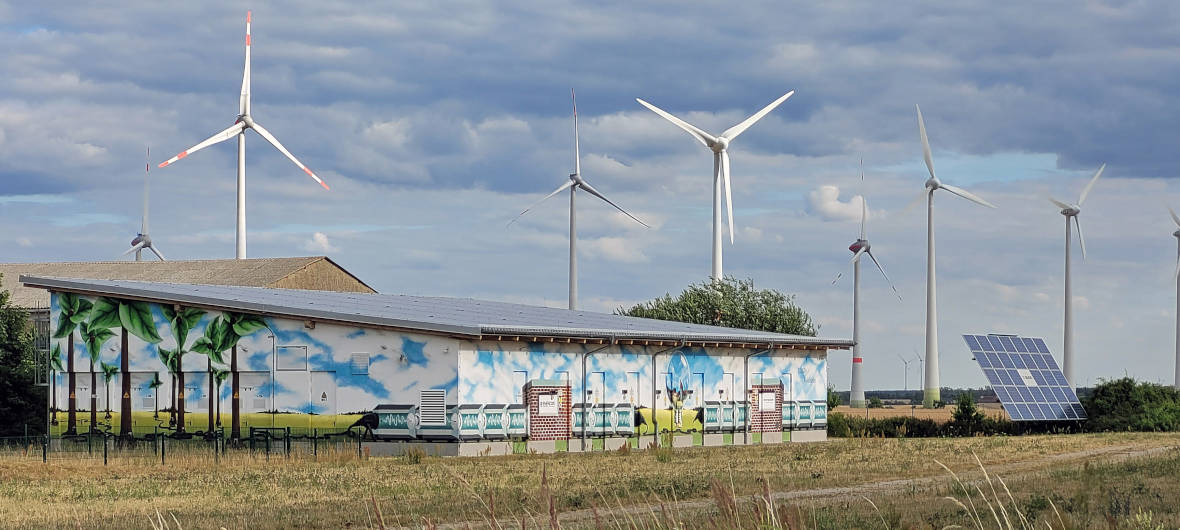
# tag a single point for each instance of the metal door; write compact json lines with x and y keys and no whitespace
{"x":697,"y":399}
{"x":323,"y":392}
{"x":597,"y":388}
{"x":726,"y":391}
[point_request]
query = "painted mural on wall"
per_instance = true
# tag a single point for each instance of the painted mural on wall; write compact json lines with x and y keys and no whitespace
{"x":186,"y":370}
{"x":685,"y":380}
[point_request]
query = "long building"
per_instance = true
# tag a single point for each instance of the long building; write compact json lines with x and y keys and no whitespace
{"x":472,"y":373}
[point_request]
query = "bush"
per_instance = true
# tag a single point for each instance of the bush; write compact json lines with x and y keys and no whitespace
{"x":1127,"y":405}
{"x":876,"y":403}
{"x":833,"y":398}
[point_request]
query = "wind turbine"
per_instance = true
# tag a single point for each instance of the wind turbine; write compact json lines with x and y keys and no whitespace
{"x":244,"y":121}
{"x":719,"y":145}
{"x":142,"y":239}
{"x":931,"y":389}
{"x":1176,"y":218}
{"x":576,"y":181}
{"x":859,"y":248}
{"x":1071,"y":211}
{"x":906,"y":377}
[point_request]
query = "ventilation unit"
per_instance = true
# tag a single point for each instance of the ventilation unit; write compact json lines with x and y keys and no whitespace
{"x":360,"y":364}
{"x":432,"y":409}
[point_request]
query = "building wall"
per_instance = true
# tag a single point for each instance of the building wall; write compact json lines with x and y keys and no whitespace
{"x":495,"y":372}
{"x":322,"y":376}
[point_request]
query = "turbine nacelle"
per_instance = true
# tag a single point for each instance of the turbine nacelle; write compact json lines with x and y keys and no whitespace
{"x":1177,"y":234}
{"x":1072,"y":210}
{"x":933,"y":183}
{"x":858,"y":245}
{"x":719,"y":144}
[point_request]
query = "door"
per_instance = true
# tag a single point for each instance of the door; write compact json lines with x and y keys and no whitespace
{"x":597,"y":388}
{"x":519,"y":378}
{"x":725,"y":393}
{"x":697,"y":399}
{"x":323,"y":393}
{"x":291,"y":391}
{"x":631,"y":388}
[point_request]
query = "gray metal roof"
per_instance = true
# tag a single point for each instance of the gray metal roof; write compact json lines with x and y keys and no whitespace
{"x":452,"y":316}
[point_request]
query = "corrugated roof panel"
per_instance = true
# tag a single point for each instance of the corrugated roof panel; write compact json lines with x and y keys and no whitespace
{"x":460,"y":316}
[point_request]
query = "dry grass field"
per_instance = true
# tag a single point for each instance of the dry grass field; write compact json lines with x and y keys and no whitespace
{"x":815,"y":485}
{"x":941,"y":415}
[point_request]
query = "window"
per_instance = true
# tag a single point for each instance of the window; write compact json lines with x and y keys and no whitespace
{"x":291,"y":358}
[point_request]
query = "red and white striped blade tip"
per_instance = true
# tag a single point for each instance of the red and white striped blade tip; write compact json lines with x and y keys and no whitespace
{"x":317,"y":179}
{"x":173,"y":159}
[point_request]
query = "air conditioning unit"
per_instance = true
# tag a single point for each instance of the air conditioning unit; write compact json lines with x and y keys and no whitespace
{"x":432,"y":408}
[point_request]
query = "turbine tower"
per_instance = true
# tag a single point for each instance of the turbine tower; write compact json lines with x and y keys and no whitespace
{"x":1176,"y":219}
{"x":931,"y":389}
{"x":1071,"y":211}
{"x":576,"y":181}
{"x":142,"y":239}
{"x":860,"y":247}
{"x":244,"y":121}
{"x":719,"y":145}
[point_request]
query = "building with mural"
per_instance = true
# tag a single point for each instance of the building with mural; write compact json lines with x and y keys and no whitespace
{"x":190,"y":360}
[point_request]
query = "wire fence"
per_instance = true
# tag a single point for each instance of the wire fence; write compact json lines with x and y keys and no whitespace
{"x":164,"y":446}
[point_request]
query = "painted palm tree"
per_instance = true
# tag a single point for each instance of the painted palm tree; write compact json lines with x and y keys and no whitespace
{"x":182,"y":320}
{"x":155,"y":385}
{"x":219,"y":376}
{"x":55,"y":368}
{"x":221,"y":335}
{"x":109,"y":371}
{"x":129,"y":316}
{"x":168,"y":358}
{"x":72,"y":311}
{"x":95,"y":337}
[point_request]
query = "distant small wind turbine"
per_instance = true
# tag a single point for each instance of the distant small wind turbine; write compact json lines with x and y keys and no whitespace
{"x":243,"y":122}
{"x":932,"y":391}
{"x":1071,"y":211}
{"x":860,"y":247}
{"x":576,"y":181}
{"x":142,"y":239}
{"x":720,"y":146}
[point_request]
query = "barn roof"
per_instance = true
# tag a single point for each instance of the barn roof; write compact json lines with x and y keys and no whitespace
{"x":462,"y":317}
{"x":310,"y":272}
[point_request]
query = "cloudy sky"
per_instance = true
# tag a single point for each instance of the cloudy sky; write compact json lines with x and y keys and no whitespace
{"x":436,"y":124}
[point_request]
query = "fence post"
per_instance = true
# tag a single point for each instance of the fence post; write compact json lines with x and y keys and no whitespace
{"x":359,"y":439}
{"x":268,"y":446}
{"x":104,"y":449}
{"x":45,"y":449}
{"x":163,"y":444}
{"x":315,"y":443}
{"x":216,"y":451}
{"x":90,"y":442}
{"x":287,"y":441}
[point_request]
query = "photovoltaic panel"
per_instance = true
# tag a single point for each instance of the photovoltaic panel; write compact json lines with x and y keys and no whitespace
{"x":1025,"y":377}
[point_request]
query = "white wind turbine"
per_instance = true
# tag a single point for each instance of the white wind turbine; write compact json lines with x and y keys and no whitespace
{"x":931,"y":389}
{"x":1176,"y":218}
{"x":1071,"y":211}
{"x":859,"y":248}
{"x":719,"y":145}
{"x":575,"y":181}
{"x":243,"y":122}
{"x":142,"y":239}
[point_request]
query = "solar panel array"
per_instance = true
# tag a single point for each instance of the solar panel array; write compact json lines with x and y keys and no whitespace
{"x":1025,"y":378}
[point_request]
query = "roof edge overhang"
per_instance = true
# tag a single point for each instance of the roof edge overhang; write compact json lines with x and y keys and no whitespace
{"x":758,"y":340}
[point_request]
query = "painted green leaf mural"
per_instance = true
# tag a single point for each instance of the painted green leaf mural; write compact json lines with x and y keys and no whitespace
{"x":55,"y":358}
{"x":136,"y":318}
{"x":109,"y":371}
{"x":182,"y":321}
{"x":94,"y":337}
{"x":244,"y":325}
{"x":74,"y":310}
{"x":105,"y":314}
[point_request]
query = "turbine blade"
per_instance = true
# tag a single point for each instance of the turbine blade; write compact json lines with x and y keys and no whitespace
{"x":864,"y":209}
{"x":143,"y":224}
{"x":1176,"y":276}
{"x":244,"y":102}
{"x":702,"y":136}
{"x":1090,"y":185}
{"x":135,"y":247}
{"x":590,"y":189}
{"x":222,"y":136}
{"x":838,"y":276}
{"x":275,"y":142}
{"x":1175,"y":217}
{"x":967,"y":195}
{"x":157,"y":253}
{"x":577,"y":144}
{"x":1059,"y":204}
{"x":913,"y":203}
{"x":740,"y":128}
{"x":728,"y":192}
{"x":559,"y":189}
{"x":925,"y":142}
{"x":887,"y":280}
{"x":1081,"y":239}
{"x":856,"y":256}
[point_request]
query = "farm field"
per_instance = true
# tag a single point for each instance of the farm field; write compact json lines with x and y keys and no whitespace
{"x":1087,"y":478}
{"x":144,"y":422}
{"x":941,"y":415}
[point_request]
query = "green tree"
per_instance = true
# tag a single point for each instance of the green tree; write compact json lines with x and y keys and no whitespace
{"x":729,"y":303}
{"x":182,"y":320}
{"x":876,"y":403}
{"x":129,"y":316}
{"x":155,"y":385}
{"x":221,"y":335}
{"x":833,"y":398}
{"x":55,"y":368}
{"x":1128,"y":405}
{"x":109,"y":371}
{"x":21,"y":401}
{"x":72,"y":311}
{"x":967,"y":418}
